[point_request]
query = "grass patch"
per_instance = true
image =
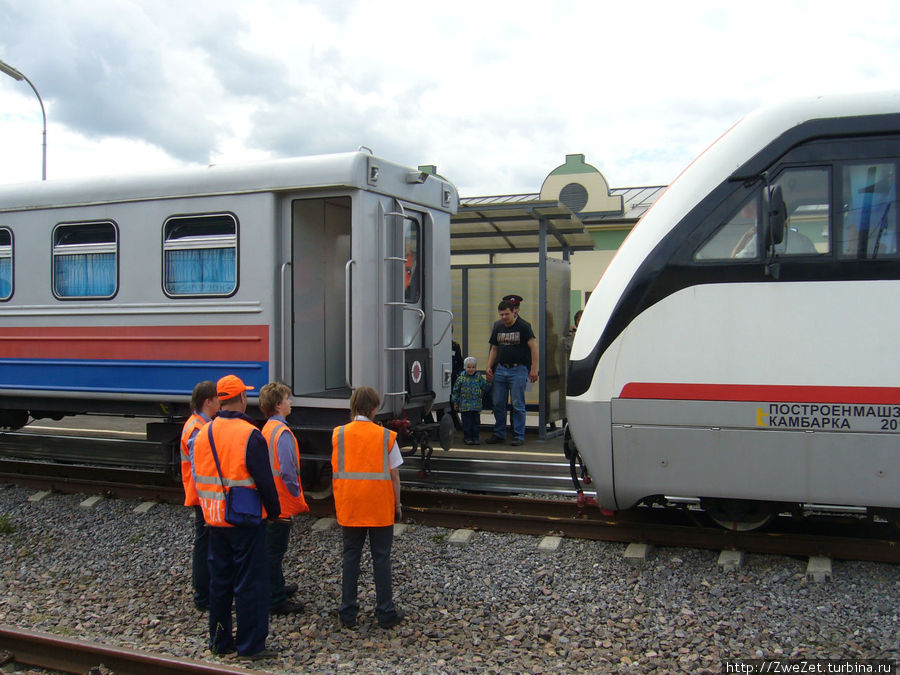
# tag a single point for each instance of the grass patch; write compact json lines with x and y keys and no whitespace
{"x":6,"y":527}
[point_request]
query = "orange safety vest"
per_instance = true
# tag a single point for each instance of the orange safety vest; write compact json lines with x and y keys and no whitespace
{"x":231,"y":436}
{"x":290,"y":505}
{"x":363,"y":490}
{"x":187,"y":477}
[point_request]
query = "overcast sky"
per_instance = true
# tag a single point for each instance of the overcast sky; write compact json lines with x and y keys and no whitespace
{"x":494,"y":93}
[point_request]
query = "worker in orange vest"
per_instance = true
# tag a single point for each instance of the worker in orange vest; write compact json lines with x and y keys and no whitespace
{"x":284,"y":456}
{"x":204,"y":406}
{"x":231,"y":456}
{"x":365,"y":460}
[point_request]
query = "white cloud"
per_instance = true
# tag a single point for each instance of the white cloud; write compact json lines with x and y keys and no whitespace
{"x":494,"y":93}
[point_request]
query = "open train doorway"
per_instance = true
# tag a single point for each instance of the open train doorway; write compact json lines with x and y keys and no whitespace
{"x":320,"y":252}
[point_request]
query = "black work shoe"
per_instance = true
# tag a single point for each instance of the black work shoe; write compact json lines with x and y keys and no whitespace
{"x":392,"y":621}
{"x":516,"y":441}
{"x":287,"y":607}
{"x":348,"y":623}
{"x":259,"y":656}
{"x":201,"y":607}
{"x":493,"y":440}
{"x":290,"y":590}
{"x":225,"y":652}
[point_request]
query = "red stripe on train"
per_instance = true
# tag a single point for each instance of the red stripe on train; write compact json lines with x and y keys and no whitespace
{"x":145,"y":343}
{"x":760,"y":392}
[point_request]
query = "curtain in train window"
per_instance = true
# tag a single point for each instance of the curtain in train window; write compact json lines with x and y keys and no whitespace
{"x":200,"y":255}
{"x":6,"y":264}
{"x":85,"y":260}
{"x":869,"y":211}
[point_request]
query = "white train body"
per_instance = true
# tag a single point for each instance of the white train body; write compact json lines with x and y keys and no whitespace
{"x":118,"y":294}
{"x":707,"y":365}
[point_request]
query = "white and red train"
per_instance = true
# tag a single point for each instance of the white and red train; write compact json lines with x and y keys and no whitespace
{"x":743,"y":347}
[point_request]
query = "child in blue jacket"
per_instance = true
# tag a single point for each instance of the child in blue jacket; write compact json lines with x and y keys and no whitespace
{"x":467,"y":395}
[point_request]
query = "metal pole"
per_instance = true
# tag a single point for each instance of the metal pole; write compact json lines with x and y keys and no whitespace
{"x":17,"y":75}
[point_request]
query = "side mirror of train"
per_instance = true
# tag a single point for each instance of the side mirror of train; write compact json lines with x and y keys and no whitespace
{"x":773,"y":227}
{"x":776,"y":217}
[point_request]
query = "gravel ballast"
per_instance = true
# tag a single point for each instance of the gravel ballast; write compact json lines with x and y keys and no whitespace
{"x":497,"y":604}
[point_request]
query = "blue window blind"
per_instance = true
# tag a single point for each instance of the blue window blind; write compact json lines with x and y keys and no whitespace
{"x":200,"y":255}
{"x":85,"y":260}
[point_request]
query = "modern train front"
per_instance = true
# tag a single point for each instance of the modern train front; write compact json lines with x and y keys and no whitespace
{"x":755,"y":285}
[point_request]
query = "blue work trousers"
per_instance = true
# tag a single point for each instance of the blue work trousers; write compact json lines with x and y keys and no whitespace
{"x":199,"y":566}
{"x":238,"y":572}
{"x":510,"y":383}
{"x":278,"y":533}
{"x":380,"y":541}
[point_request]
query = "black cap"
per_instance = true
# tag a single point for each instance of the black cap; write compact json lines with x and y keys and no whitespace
{"x":514,"y":299}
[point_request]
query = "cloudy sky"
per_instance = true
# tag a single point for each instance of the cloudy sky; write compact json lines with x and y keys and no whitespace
{"x":495,"y":93}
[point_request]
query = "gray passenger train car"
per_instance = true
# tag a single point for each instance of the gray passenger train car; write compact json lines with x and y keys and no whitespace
{"x":119,"y":294}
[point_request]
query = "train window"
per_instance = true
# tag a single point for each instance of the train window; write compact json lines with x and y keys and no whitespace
{"x":85,"y":260}
{"x":807,"y":195}
{"x":869,"y":211}
{"x":736,"y":238}
{"x":6,"y":264}
{"x":200,"y":255}
{"x":412,"y":277}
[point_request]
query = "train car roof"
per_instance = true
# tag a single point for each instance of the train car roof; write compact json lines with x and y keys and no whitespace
{"x":745,"y":149}
{"x":350,"y":170}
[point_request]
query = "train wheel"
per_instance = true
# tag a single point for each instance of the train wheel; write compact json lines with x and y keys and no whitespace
{"x":13,"y":419}
{"x":316,"y":479}
{"x":739,"y":515}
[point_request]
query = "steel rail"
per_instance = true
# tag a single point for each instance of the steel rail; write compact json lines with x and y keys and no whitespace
{"x":43,"y":650}
{"x":848,"y":539}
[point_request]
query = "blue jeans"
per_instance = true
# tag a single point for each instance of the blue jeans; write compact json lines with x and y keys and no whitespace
{"x":380,"y":541}
{"x":510,"y":383}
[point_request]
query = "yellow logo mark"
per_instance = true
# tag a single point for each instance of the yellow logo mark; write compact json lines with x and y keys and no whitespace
{"x":759,"y":418}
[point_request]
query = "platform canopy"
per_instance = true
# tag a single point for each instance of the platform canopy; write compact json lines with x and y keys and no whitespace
{"x":511,"y":224}
{"x":573,"y":196}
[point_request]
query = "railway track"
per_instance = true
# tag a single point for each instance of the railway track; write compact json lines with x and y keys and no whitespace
{"x":844,"y":538}
{"x":42,"y":650}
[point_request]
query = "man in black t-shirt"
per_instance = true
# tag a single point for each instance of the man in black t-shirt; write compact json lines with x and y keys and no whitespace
{"x":512,"y":362}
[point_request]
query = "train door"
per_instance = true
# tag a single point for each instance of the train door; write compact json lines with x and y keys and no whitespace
{"x":407,"y":358}
{"x":320,"y":251}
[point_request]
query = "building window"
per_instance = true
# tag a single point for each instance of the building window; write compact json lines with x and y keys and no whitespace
{"x":6,"y":264}
{"x":85,"y":260}
{"x":200,"y":255}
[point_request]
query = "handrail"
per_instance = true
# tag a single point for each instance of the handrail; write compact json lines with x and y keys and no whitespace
{"x":449,"y":323}
{"x":348,"y":330}
{"x":284,"y":314}
{"x":407,"y":308}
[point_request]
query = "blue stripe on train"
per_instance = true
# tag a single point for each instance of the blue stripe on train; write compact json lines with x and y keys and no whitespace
{"x":126,"y":377}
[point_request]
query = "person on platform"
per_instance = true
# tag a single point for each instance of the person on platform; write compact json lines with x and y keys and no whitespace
{"x":365,"y":460}
{"x":468,"y":393}
{"x":204,"y":406}
{"x":512,"y":362}
{"x":230,"y":453}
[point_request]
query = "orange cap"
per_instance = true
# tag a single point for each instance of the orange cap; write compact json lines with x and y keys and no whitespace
{"x":230,"y":386}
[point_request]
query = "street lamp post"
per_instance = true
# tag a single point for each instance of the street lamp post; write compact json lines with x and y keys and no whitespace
{"x":16,"y":75}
